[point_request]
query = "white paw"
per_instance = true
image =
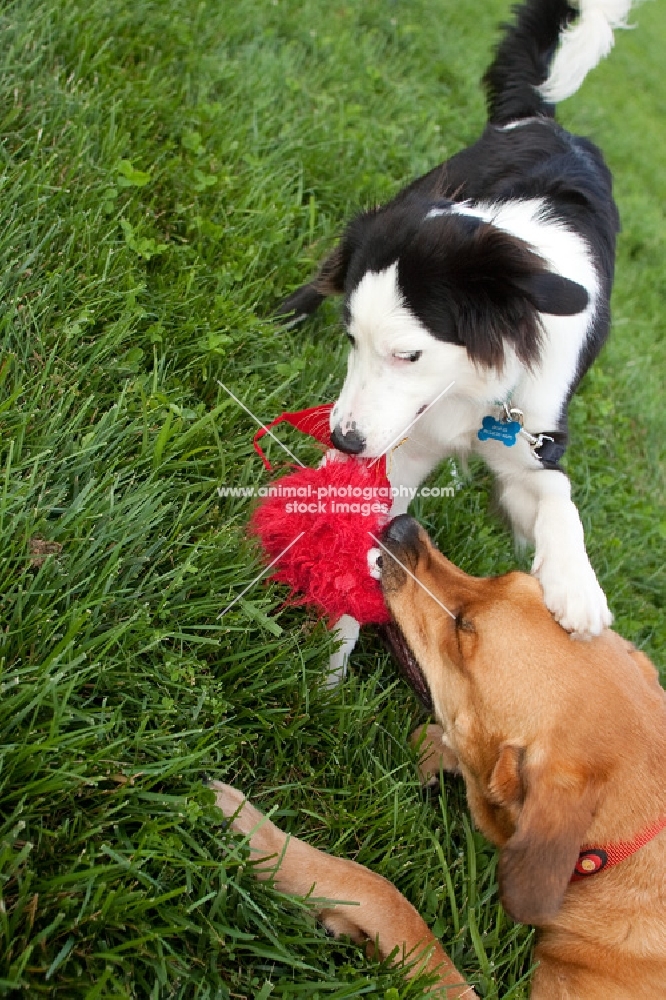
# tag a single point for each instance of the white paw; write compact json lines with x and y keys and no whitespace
{"x":572,"y":593}
{"x":373,"y":569}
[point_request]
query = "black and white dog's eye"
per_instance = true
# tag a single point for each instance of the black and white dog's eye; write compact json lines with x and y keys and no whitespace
{"x":408,"y":355}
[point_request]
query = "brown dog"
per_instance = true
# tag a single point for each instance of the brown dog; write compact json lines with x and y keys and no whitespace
{"x":562,"y":746}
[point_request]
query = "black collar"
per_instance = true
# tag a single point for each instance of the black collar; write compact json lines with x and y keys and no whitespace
{"x":551,"y":449}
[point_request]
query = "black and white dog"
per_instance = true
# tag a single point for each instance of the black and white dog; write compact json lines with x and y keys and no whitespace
{"x":492,"y":275}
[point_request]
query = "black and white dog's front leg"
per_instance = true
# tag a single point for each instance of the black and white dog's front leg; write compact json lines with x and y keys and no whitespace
{"x":538,"y":502}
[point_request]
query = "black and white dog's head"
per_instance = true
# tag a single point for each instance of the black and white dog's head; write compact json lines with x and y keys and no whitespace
{"x":434,"y":293}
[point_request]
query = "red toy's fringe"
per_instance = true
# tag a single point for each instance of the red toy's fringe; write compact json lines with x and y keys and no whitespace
{"x":328,"y":564}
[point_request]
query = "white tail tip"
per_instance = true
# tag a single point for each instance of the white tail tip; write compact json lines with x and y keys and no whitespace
{"x":583,"y":45}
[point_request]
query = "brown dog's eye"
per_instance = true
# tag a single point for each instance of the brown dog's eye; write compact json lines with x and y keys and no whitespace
{"x":464,"y":624}
{"x":464,"y":630}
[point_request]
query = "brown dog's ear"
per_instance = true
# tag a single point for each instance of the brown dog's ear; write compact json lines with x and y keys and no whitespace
{"x":537,"y":862}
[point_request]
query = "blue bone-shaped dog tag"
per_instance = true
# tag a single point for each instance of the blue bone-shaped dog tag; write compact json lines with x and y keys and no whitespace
{"x":499,"y":430}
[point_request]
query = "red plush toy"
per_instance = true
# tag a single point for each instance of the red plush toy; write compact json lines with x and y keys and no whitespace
{"x":317,"y":526}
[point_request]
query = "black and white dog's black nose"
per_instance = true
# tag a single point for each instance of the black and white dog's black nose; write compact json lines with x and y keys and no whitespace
{"x":352,"y":443}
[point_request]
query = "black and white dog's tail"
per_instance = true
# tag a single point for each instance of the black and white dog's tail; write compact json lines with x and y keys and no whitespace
{"x":545,"y":56}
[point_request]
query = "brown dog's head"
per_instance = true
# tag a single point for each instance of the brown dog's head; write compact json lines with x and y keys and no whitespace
{"x":528,"y":711}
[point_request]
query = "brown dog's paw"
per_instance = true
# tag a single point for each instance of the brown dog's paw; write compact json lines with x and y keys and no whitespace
{"x":265,"y":838}
{"x":234,"y":805}
{"x":434,"y":755}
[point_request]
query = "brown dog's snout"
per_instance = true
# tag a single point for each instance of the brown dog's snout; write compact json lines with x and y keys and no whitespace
{"x":403,"y":535}
{"x":402,"y":541}
{"x":403,"y":530}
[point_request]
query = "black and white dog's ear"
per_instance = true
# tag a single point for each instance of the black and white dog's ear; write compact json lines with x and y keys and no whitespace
{"x":470,"y":282}
{"x":505,"y":286}
{"x":330,"y":280}
{"x":299,"y":305}
{"x":331,"y":277}
{"x":332,"y":272}
{"x":552,"y":294}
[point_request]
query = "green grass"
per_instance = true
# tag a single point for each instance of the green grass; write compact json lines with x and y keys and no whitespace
{"x":167,"y":172}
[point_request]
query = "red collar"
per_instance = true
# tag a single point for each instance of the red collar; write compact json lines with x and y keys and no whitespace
{"x":592,"y":860}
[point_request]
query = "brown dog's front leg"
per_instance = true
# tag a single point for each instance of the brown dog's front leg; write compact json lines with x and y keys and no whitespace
{"x":381,"y":915}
